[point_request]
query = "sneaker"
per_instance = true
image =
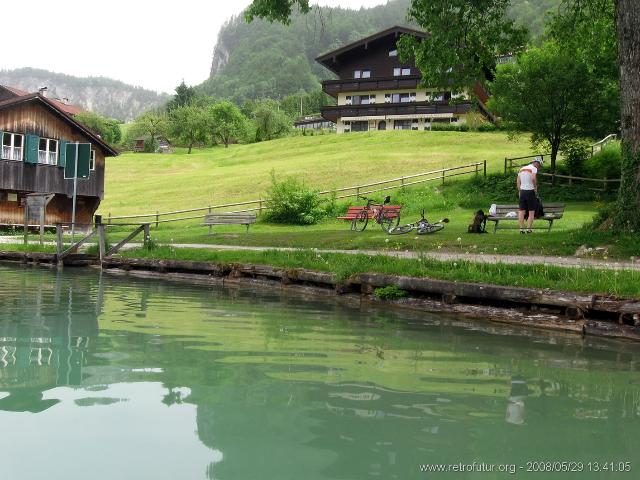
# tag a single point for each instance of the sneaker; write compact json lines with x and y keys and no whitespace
{"x":529,"y":231}
{"x":522,"y":231}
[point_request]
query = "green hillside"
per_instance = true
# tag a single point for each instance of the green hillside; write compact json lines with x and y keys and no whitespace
{"x":143,"y":183}
{"x":263,"y":59}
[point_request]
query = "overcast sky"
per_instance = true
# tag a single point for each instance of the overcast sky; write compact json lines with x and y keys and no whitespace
{"x":152,"y":44}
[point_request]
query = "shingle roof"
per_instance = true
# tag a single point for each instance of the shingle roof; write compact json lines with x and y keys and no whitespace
{"x":54,"y":106}
{"x":70,"y":109}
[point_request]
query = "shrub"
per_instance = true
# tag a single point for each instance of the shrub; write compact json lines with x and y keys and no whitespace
{"x":575,"y":154}
{"x":390,"y":292}
{"x":449,"y":127}
{"x":605,"y":163}
{"x":291,"y":202}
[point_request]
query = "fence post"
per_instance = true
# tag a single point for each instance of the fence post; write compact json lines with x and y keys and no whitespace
{"x":485,"y":169}
{"x":604,"y":184}
{"x":442,"y":177}
{"x":505,"y":164}
{"x":109,"y":219}
{"x":147,"y":235}
{"x":402,"y":181}
{"x":59,"y":240}
{"x":157,"y":218}
{"x":358,"y":192}
{"x":102,"y":242}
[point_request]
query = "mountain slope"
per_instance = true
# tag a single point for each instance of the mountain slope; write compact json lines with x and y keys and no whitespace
{"x":109,"y":97}
{"x":263,"y":59}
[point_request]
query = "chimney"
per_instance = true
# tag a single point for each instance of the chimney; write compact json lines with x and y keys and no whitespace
{"x":43,"y":91}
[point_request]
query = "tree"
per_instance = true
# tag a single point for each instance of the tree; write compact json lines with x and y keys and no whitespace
{"x":189,"y":124}
{"x":106,"y":128}
{"x":184,"y":96}
{"x":465,"y":37}
{"x":628,"y":29}
{"x":227,"y":122}
{"x":152,"y":123}
{"x":270,"y":123}
{"x":548,"y":93}
{"x":275,"y":10}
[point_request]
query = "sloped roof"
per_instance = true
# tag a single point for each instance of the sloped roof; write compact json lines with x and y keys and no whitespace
{"x":328,"y":58}
{"x":70,"y":109}
{"x":54,"y":107}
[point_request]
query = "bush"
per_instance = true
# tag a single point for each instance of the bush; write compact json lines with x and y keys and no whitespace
{"x":575,"y":154}
{"x":291,"y":202}
{"x":390,"y":292}
{"x":605,"y":163}
{"x":449,"y":127}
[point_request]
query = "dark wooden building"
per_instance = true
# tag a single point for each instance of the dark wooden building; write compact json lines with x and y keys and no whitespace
{"x":35,"y":133}
{"x":375,"y":90}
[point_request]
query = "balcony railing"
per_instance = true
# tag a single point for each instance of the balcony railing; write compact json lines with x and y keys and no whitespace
{"x":334,"y":87}
{"x":11,"y":153}
{"x":47,"y":158}
{"x":376,"y":110}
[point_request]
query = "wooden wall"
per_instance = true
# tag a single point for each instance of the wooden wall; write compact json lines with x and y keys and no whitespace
{"x":59,"y":210}
{"x":19,"y":177}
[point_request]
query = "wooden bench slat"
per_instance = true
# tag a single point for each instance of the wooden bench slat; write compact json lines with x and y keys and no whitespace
{"x":552,"y":211}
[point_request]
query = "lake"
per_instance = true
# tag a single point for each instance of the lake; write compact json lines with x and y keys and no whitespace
{"x":105,"y":376}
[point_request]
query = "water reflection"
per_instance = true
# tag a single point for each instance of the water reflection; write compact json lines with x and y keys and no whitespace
{"x":177,"y":381}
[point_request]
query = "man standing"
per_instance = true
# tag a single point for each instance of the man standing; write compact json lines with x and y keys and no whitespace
{"x":527,"y":184}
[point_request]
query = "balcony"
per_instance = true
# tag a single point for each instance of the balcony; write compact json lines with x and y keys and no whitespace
{"x":334,"y":87}
{"x":332,"y":113}
{"x":11,"y":153}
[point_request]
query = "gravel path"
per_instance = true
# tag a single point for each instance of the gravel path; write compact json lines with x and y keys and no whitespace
{"x":576,"y":262}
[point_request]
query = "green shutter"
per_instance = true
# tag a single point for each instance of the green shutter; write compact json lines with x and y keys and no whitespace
{"x":31,"y":149}
{"x":84,"y":156}
{"x":62,"y":153}
{"x":84,"y":160}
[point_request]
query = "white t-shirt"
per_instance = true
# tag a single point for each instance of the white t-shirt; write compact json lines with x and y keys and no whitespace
{"x":526,"y":177}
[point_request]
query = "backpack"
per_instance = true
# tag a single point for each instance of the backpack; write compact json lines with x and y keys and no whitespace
{"x":539,"y":211}
{"x":478,"y":223}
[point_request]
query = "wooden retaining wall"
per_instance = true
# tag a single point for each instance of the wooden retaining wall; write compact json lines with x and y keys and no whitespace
{"x":573,"y":312}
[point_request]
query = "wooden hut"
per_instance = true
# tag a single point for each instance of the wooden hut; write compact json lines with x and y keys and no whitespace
{"x":35,"y":134}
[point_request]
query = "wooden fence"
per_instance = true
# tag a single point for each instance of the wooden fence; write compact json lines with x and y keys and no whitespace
{"x":599,"y":184}
{"x":341,"y":193}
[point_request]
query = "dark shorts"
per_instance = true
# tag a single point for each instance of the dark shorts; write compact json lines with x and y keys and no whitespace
{"x":528,"y":200}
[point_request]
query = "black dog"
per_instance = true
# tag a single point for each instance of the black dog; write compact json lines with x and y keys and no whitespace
{"x":478,"y":223}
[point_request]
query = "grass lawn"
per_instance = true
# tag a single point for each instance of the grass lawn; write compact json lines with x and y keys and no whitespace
{"x":620,"y":283}
{"x":145,"y":183}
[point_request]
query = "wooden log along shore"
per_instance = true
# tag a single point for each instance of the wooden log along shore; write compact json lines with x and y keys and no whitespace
{"x":576,"y":312}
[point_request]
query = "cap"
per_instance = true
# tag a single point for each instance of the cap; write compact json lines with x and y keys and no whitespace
{"x":539,"y":160}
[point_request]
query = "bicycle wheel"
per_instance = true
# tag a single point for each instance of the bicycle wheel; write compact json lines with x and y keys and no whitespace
{"x":389,"y":220}
{"x":430,"y":228}
{"x":360,"y":222}
{"x":401,"y":229}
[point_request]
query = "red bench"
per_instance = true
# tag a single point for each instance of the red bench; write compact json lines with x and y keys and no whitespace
{"x":392,"y":211}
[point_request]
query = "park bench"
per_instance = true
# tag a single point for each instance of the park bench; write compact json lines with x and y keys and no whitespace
{"x":246,"y":219}
{"x":353,"y":212}
{"x":552,"y":211}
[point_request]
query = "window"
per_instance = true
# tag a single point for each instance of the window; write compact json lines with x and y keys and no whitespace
{"x":359,"y":126}
{"x":92,"y":160}
{"x":357,"y":74}
{"x":437,"y":96}
{"x":348,"y":100}
{"x":366,"y":73}
{"x":48,"y":151}
{"x":402,"y":97}
{"x":402,"y":125}
{"x":406,"y":71}
{"x":393,"y":53}
{"x":12,"y":146}
{"x":397,"y":72}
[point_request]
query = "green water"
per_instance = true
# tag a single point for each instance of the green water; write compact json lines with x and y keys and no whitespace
{"x":112,"y":377}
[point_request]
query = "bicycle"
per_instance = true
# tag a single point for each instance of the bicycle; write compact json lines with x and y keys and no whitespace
{"x":387,"y":217}
{"x":422,"y":226}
